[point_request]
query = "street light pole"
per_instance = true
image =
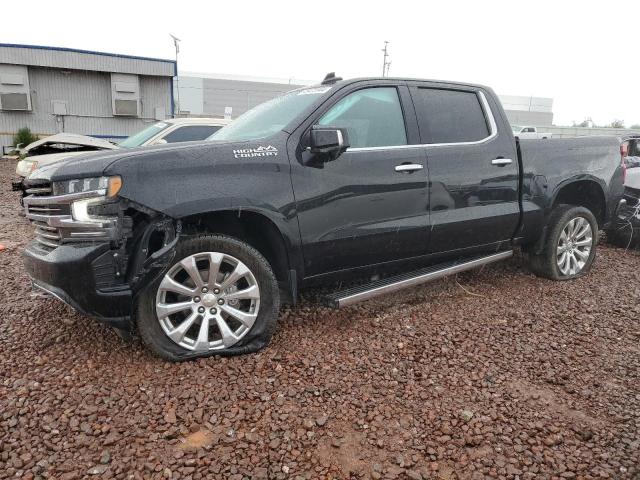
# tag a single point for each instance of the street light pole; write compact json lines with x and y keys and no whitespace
{"x":385,"y":64}
{"x":176,"y":107}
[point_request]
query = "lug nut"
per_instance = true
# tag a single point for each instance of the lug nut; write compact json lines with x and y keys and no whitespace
{"x":200,"y":309}
{"x":216,"y":291}
{"x":213,"y":311}
{"x":205,"y":289}
{"x":196,"y":299}
{"x":221,"y":302}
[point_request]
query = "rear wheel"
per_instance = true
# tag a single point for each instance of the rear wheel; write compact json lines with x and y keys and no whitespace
{"x":570,"y":247}
{"x":219,"y":296}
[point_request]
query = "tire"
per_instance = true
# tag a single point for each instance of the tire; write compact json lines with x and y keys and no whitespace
{"x":550,"y":263}
{"x":203,"y":314}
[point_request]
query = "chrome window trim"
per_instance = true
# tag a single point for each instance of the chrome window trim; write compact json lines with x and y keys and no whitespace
{"x":488,"y":113}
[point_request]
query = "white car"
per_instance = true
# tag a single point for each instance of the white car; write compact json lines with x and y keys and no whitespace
{"x":528,"y":132}
{"x":65,"y":145}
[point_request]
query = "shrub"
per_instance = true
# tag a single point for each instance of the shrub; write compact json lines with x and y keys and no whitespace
{"x":24,"y":137}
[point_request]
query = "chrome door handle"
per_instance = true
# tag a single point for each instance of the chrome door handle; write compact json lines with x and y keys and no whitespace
{"x":408,"y":167}
{"x":501,"y":162}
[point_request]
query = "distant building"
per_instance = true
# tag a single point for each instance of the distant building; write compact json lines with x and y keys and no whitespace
{"x":524,"y":111}
{"x":106,"y":95}
{"x":204,"y":94}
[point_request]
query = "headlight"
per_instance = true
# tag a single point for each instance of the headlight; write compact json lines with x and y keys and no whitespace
{"x":109,"y":186}
{"x":80,"y":210}
{"x":103,"y":188}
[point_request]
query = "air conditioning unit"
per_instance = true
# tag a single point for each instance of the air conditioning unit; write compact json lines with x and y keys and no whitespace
{"x":14,"y":101}
{"x":126,"y":107}
{"x":125,"y":94}
{"x":14,"y":88}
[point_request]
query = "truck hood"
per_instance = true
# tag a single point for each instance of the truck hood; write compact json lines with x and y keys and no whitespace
{"x":96,"y":164}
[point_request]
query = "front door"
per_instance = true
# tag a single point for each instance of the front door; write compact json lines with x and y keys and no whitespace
{"x":473,"y":169}
{"x":370,"y":205}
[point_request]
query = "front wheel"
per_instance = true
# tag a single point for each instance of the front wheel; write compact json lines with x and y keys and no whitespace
{"x":570,"y":247}
{"x":219,"y":296}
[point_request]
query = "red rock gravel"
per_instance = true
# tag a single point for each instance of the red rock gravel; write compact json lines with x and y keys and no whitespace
{"x":495,"y":374}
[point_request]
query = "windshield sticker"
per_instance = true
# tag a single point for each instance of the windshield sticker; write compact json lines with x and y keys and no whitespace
{"x":269,"y":151}
{"x":314,"y":91}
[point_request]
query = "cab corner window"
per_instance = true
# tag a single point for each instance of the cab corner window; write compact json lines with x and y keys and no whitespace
{"x":450,"y":116}
{"x":372,"y":117}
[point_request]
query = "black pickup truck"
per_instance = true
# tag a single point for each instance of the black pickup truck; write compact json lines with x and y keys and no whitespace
{"x":394,"y":181}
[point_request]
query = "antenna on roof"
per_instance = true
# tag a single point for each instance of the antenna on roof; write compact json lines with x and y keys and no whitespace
{"x":330,"y":78}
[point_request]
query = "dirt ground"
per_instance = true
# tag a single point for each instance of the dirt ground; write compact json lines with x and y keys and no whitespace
{"x":492,"y":374}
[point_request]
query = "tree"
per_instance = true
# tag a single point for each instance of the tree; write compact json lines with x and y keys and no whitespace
{"x":635,"y":126}
{"x":587,"y":122}
{"x":24,"y":137}
{"x":616,"y":124}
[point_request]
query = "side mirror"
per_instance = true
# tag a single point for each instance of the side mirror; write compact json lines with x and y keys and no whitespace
{"x":160,"y":141}
{"x":329,"y":141}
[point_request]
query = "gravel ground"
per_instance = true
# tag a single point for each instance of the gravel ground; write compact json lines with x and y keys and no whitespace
{"x":494,"y":374}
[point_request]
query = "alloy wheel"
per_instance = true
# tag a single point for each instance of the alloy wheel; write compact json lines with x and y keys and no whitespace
{"x":574,"y":246}
{"x":208,"y":301}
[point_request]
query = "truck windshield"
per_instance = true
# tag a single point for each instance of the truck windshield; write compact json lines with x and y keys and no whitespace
{"x":139,"y":138}
{"x":269,"y":117}
{"x":516,"y":128}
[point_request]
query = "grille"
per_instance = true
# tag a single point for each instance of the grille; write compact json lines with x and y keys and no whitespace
{"x":48,"y":237}
{"x":49,"y":209}
{"x":54,"y":224}
{"x":38,"y":187}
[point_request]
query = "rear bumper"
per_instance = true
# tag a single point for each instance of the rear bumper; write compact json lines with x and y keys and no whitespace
{"x":71,"y":273}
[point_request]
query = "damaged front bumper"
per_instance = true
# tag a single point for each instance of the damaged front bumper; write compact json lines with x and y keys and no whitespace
{"x":92,"y":258}
{"x":83,"y":276}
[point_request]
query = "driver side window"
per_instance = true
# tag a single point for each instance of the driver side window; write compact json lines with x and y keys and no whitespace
{"x":372,"y":116}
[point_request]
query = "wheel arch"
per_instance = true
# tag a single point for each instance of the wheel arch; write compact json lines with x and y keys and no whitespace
{"x":584,"y":191}
{"x":261,"y":229}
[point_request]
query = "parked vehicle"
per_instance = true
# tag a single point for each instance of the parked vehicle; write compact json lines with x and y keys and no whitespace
{"x":56,"y":147}
{"x":67,"y":145}
{"x":625,"y":231}
{"x":631,"y":153}
{"x":197,"y":245}
{"x":528,"y":132}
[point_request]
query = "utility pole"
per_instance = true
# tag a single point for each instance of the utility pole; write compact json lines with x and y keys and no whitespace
{"x":176,"y":107}
{"x":385,"y":64}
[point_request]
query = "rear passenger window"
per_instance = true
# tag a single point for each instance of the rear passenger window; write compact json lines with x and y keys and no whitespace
{"x":191,"y":133}
{"x":450,"y":116}
{"x":372,"y":116}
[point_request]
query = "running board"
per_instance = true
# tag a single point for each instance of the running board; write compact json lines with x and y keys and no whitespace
{"x":411,"y":279}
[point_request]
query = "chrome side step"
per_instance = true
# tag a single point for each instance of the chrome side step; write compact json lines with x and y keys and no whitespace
{"x":411,"y":279}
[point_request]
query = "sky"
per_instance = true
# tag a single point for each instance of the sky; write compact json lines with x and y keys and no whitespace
{"x":583,"y":54}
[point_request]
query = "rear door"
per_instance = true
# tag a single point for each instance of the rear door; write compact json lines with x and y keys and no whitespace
{"x":473,"y":168}
{"x":370,"y":205}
